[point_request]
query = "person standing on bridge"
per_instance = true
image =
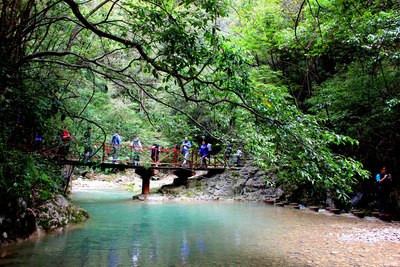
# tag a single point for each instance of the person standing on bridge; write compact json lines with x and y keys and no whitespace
{"x":227,"y":154}
{"x":209,"y":147}
{"x":38,"y":142}
{"x":186,"y":145}
{"x":65,"y":138}
{"x":155,"y":152}
{"x":115,"y":143}
{"x":238,"y":155}
{"x":87,"y":145}
{"x":136,"y":148}
{"x":203,"y":152}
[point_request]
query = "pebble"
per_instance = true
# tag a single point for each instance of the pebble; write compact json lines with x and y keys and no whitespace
{"x":378,"y":235}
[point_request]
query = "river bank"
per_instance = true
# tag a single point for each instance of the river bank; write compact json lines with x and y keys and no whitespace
{"x":25,"y":222}
{"x":253,"y":233}
{"x":229,"y":186}
{"x":248,"y":184}
{"x":176,"y":232}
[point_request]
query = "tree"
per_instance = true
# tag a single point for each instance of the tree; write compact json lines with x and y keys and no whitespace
{"x":165,"y":52}
{"x":339,"y":60}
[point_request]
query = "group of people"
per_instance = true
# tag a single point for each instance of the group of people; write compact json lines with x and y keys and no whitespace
{"x":205,"y":153}
{"x":236,"y":157}
{"x":383,"y":179}
{"x":137,"y":147}
{"x":205,"y":150}
{"x":185,"y":148}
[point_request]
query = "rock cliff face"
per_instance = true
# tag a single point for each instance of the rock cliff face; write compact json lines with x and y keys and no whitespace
{"x":21,"y":220}
{"x":59,"y":212}
{"x":247,"y":184}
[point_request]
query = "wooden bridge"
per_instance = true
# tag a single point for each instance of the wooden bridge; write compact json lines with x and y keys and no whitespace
{"x":146,"y":161}
{"x":124,"y":156}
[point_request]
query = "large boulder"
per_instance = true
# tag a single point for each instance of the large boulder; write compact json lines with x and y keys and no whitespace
{"x":247,"y":184}
{"x":20,"y":220}
{"x":58,"y":212}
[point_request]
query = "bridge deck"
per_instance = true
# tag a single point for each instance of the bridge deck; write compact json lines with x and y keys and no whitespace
{"x":127,"y":157}
{"x":107,"y":165}
{"x":145,"y":160}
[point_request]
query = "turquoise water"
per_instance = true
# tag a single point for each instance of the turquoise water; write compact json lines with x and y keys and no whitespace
{"x":123,"y":232}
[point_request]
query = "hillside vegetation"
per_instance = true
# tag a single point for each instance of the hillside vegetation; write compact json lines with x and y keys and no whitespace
{"x":310,"y":89}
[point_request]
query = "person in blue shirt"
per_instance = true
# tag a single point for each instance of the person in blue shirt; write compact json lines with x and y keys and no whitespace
{"x":227,"y":155}
{"x":38,"y":142}
{"x":115,"y":143}
{"x":203,"y":152}
{"x":186,"y":145}
{"x":383,"y":181}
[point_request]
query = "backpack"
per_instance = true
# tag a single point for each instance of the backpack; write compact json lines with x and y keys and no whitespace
{"x":154,"y":150}
{"x":135,"y":142}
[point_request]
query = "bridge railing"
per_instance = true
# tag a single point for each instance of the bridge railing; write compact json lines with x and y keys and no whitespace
{"x":131,"y":155}
{"x":72,"y":149}
{"x":159,"y":157}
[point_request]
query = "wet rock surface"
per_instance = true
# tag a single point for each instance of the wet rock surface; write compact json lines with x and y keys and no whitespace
{"x":247,"y":184}
{"x":55,"y":213}
{"x":59,"y":212}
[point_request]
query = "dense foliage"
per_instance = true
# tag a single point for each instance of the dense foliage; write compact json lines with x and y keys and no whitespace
{"x":339,"y":60}
{"x":285,"y":80}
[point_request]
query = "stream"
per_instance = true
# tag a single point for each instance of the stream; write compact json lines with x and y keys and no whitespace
{"x":123,"y":232}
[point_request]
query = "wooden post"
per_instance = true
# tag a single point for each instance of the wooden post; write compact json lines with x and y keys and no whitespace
{"x":146,"y":185}
{"x":175,"y":160}
{"x":104,"y":153}
{"x":146,"y":175}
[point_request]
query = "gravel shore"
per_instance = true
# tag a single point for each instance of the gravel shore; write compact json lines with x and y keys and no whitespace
{"x":390,"y":234}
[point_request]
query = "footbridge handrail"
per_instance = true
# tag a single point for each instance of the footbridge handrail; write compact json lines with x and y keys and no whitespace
{"x":144,"y":156}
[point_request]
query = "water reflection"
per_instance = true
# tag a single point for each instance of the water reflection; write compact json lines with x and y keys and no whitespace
{"x":184,"y":249}
{"x":121,"y":232}
{"x":113,"y":259}
{"x":135,"y":253}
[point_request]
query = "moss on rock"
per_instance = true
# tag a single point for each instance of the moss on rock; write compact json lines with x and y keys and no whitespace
{"x":57,"y":212}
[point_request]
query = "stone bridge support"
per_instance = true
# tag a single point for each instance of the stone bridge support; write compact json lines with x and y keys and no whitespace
{"x":212,"y":172}
{"x":183,"y":176}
